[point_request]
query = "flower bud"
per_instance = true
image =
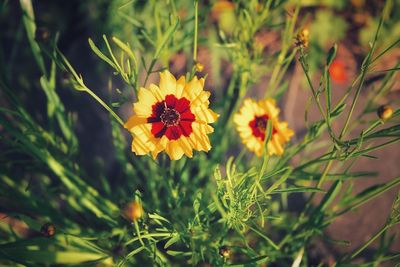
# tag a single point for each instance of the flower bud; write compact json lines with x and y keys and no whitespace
{"x":385,"y":112}
{"x":224,"y":251}
{"x":42,"y":34}
{"x":133,"y":211}
{"x":199,"y":67}
{"x":302,"y":38}
{"x":48,"y":230}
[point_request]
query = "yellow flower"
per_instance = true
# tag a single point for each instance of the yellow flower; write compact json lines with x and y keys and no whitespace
{"x":251,"y":122}
{"x":173,"y":116}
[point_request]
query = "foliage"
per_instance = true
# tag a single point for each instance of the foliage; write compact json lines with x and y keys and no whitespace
{"x":193,"y":207}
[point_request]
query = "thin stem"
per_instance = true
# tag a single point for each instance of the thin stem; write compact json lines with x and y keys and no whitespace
{"x":316,"y":99}
{"x":196,"y":22}
{"x":98,"y":99}
{"x":365,"y":67}
{"x":369,"y":242}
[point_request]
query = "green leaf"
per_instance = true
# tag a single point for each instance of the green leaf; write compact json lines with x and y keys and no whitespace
{"x":51,"y":257}
{"x":331,"y":55}
{"x":178,"y":253}
{"x":281,"y":180}
{"x":97,"y":51}
{"x":299,"y":190}
{"x":338,"y":110}
{"x":167,"y":36}
{"x":134,"y":252}
{"x":126,"y":49}
{"x":172,"y":241}
{"x":30,"y":27}
{"x":368,"y":194}
{"x":251,"y":262}
{"x":330,"y":196}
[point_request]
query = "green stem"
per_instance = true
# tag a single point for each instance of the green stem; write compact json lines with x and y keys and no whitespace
{"x":98,"y":99}
{"x":364,"y":71}
{"x":196,"y":22}
{"x":316,"y":99}
{"x":369,"y":242}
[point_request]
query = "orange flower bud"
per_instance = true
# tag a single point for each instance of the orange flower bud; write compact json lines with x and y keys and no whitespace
{"x":224,"y":251}
{"x":385,"y":112}
{"x":48,"y":230}
{"x":133,"y":211}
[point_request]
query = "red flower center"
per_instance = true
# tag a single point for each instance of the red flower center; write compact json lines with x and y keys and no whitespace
{"x":171,"y":117}
{"x":258,"y":126}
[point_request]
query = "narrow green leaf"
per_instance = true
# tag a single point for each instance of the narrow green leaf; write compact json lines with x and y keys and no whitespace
{"x":331,"y":55}
{"x":178,"y":253}
{"x":30,"y":27}
{"x":172,"y":241}
{"x":331,"y":195}
{"x":126,"y":49}
{"x":257,"y":261}
{"x":298,"y":190}
{"x":51,"y":257}
{"x":167,"y":36}
{"x":369,"y":194}
{"x":97,"y":51}
{"x":281,"y":180}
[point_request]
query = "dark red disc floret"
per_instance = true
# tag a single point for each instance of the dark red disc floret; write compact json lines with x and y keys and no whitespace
{"x":258,"y":126}
{"x":171,"y":117}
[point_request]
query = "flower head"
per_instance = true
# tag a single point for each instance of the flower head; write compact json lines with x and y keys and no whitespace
{"x":251,"y":123}
{"x":173,"y":116}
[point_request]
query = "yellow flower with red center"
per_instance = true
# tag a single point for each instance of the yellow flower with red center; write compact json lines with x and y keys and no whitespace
{"x":251,"y":122}
{"x":173,"y":116}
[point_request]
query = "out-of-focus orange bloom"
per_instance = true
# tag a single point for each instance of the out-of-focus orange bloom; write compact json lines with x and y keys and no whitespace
{"x":223,"y":13}
{"x":337,"y":71}
{"x":220,"y":7}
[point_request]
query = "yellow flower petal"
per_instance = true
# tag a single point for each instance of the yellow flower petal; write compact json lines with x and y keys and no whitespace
{"x":193,"y":88}
{"x":140,"y":147}
{"x":187,"y":148}
{"x":180,"y":86}
{"x":174,"y":150}
{"x":134,"y":121}
{"x":160,"y":145}
{"x":167,"y":83}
